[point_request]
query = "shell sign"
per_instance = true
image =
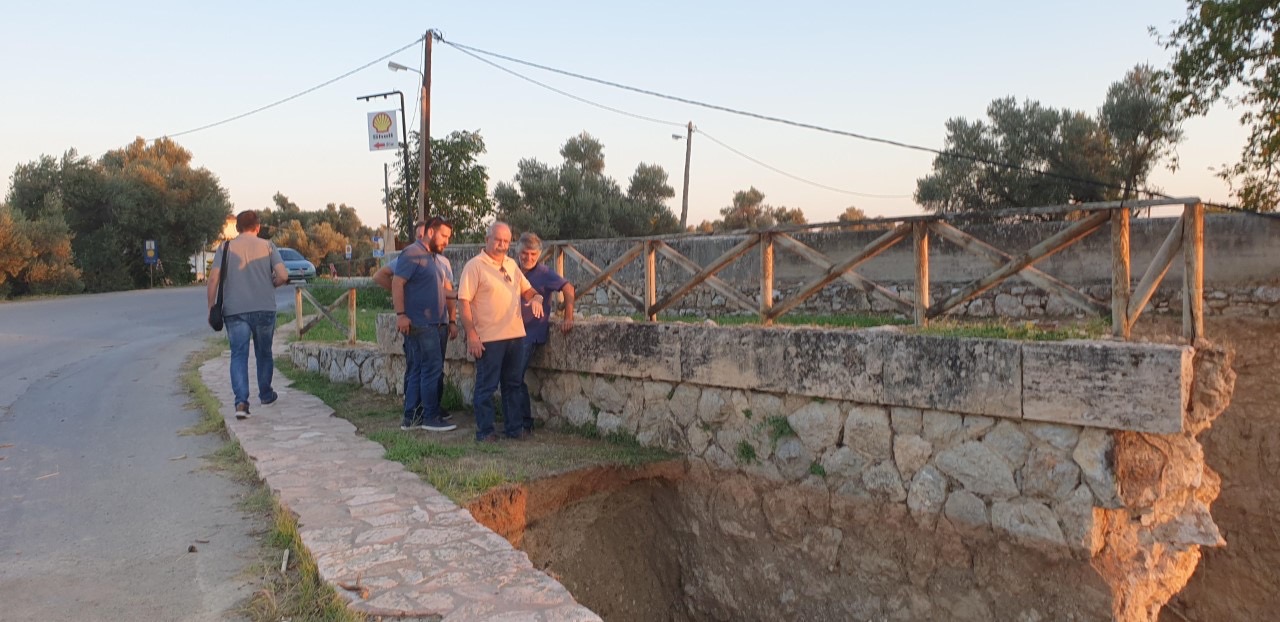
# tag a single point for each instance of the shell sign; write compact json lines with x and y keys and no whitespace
{"x":382,"y":130}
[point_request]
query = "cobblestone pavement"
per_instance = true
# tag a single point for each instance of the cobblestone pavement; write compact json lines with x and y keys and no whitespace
{"x":367,"y":519}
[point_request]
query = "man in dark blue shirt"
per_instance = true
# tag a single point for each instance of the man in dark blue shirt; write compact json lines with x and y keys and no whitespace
{"x":425,"y":316}
{"x":536,"y":329}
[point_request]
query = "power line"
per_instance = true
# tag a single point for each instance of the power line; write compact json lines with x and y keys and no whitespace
{"x":675,"y":124}
{"x":569,"y":95}
{"x":811,"y":126}
{"x":801,"y":179}
{"x":294,"y":96}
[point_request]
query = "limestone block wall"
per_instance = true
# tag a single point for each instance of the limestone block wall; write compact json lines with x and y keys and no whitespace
{"x":1078,"y":459}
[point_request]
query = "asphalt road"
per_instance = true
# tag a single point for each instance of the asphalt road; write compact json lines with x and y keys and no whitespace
{"x":100,"y":496}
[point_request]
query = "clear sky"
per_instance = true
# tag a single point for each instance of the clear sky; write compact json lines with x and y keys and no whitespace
{"x":93,"y":76}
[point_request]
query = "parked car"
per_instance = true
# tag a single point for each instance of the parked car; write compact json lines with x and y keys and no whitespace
{"x":299,"y":268}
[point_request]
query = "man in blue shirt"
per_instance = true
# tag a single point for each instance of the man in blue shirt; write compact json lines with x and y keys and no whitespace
{"x":425,"y":316}
{"x":536,"y":329}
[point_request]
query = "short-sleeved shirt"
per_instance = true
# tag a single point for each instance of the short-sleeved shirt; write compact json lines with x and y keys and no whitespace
{"x":251,"y":261}
{"x":493,"y":286}
{"x":544,"y":281}
{"x":428,"y":276}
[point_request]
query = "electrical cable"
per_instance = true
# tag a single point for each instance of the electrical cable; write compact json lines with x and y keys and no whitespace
{"x":798,"y":178}
{"x":569,"y":95}
{"x":811,"y":126}
{"x":294,"y":96}
{"x":676,"y":124}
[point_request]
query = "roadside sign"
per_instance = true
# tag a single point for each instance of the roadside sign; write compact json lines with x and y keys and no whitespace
{"x":377,"y":246}
{"x":382,"y":130}
{"x":348,"y":251}
{"x":149,"y":254}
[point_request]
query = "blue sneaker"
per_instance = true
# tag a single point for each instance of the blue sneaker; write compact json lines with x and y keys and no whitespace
{"x":270,"y":398}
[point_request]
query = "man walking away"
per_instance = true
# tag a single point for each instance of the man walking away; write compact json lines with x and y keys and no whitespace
{"x":419,"y":293}
{"x":544,"y":280}
{"x":490,"y":293}
{"x":254,"y":270}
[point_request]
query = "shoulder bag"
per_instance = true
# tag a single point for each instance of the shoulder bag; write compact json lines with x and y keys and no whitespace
{"x":215,"y":312}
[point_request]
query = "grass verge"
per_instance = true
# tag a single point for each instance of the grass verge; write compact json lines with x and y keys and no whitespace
{"x":297,"y":593}
{"x":453,"y":462}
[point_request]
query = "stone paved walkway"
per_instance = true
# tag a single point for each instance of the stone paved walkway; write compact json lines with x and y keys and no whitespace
{"x":367,"y":519}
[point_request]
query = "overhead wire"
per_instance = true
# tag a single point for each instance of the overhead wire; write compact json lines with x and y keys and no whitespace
{"x":797,"y":177}
{"x":295,"y":95}
{"x":810,"y":126}
{"x":674,"y":124}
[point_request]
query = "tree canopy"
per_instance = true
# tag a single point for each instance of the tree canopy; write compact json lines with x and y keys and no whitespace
{"x":577,"y":201}
{"x":459,"y":186}
{"x":749,"y":211}
{"x":1234,"y":43}
{"x":1053,"y":156}
{"x":89,"y":219}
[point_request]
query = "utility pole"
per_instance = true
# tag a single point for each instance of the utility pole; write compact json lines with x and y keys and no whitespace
{"x":424,"y":187}
{"x":684,"y":201}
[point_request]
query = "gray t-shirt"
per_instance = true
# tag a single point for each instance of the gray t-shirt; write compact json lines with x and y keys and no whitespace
{"x":249,"y":267}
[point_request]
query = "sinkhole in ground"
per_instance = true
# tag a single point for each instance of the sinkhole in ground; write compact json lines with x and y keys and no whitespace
{"x":674,"y":541}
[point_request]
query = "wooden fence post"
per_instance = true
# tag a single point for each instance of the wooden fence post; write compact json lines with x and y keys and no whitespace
{"x":650,"y":279}
{"x":920,"y":240}
{"x":1120,"y":273}
{"x":297,"y":307}
{"x":766,"y":277}
{"x":351,"y":316}
{"x":1193,"y":274}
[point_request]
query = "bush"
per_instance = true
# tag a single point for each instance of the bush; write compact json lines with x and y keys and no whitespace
{"x":367,"y":296}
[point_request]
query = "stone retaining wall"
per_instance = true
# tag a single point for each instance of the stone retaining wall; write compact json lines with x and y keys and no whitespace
{"x":1078,"y":458}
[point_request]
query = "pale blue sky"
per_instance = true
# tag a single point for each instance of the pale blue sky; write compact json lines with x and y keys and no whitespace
{"x":93,"y":76}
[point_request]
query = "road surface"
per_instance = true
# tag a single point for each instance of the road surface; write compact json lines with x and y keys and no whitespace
{"x":100,"y":496}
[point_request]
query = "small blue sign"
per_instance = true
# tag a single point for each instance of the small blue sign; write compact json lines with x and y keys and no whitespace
{"x":149,"y":254}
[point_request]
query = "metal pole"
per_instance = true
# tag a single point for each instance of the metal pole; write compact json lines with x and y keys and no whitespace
{"x":386,"y":193}
{"x":404,"y":151}
{"x":424,"y":140}
{"x":684,"y":201}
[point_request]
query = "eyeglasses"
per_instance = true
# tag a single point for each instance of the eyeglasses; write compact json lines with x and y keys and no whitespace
{"x":503,"y":270}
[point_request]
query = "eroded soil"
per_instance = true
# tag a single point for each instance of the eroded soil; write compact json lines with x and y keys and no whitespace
{"x":1239,"y":582}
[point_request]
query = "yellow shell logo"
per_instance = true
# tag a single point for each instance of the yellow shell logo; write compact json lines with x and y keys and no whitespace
{"x":382,"y":122}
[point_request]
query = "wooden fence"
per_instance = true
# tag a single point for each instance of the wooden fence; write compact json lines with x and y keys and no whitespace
{"x":1126,"y":305}
{"x":323,"y":312}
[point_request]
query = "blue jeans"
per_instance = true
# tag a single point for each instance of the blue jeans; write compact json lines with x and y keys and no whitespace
{"x":522,"y":391}
{"x":502,"y":362}
{"x":424,"y":372}
{"x":241,"y":327}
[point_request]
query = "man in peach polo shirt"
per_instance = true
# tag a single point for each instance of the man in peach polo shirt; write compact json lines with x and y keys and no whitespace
{"x":490,"y":294}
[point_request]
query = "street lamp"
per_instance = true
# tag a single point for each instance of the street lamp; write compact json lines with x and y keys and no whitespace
{"x":404,"y":145}
{"x":688,"y":151}
{"x":424,"y":138}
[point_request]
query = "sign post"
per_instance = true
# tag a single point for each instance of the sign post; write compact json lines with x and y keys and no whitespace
{"x":150,"y":256}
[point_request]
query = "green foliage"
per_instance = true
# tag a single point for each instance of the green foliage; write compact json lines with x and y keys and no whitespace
{"x":1024,"y":331}
{"x":459,"y":186}
{"x":817,"y":469}
{"x":577,"y":201}
{"x":99,"y":213}
{"x":749,"y":211}
{"x":1226,"y":51}
{"x":746,"y":452}
{"x":746,"y":412}
{"x":406,"y":448}
{"x":779,"y":427}
{"x":1119,"y":147}
{"x":452,"y":398}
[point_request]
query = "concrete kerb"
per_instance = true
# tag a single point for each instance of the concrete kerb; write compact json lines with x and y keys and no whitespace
{"x":368,"y":520}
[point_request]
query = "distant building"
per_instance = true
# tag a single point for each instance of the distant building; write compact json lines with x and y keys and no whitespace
{"x":200,"y":262}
